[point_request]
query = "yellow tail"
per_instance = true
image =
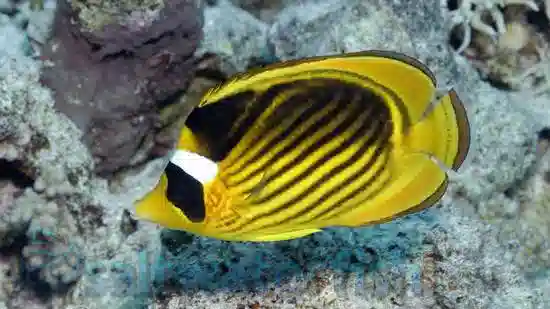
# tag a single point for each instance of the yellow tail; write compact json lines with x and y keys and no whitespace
{"x":443,"y":132}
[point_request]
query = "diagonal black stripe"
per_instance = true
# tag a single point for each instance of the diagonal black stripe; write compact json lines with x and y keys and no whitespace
{"x":368,"y":197}
{"x":351,"y":117}
{"x":253,"y":112}
{"x":359,"y":189}
{"x":334,"y":172}
{"x":342,"y":104}
{"x":379,"y":133}
{"x":341,"y":210}
{"x":316,"y":106}
{"x":374,"y":137}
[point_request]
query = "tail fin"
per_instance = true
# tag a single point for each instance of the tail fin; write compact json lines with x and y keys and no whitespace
{"x":443,"y":131}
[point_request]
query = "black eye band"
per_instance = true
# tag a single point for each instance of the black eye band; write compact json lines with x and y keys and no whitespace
{"x":185,"y":192}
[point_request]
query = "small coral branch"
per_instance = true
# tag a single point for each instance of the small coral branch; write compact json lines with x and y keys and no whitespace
{"x":506,"y":40}
{"x":479,"y":15}
{"x":112,"y":73}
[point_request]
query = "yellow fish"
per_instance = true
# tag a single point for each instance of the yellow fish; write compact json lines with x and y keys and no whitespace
{"x":283,"y":151}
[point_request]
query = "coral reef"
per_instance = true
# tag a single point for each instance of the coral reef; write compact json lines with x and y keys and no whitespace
{"x":236,"y":41}
{"x":480,"y":16}
{"x":265,"y":11}
{"x":95,"y":16}
{"x":32,"y":135}
{"x":113,"y":79}
{"x":523,"y":213}
{"x":507,"y":41}
{"x":515,"y":55}
{"x":68,"y":238}
{"x":51,"y":206}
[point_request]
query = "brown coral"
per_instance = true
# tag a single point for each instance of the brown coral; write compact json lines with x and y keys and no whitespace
{"x":114,"y":82}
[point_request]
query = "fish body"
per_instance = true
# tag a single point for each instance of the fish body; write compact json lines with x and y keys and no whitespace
{"x":298,"y":146}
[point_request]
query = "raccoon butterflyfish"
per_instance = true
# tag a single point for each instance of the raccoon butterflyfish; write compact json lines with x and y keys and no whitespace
{"x":285,"y":150}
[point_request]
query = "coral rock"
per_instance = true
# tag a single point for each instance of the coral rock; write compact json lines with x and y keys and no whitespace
{"x":113,"y":82}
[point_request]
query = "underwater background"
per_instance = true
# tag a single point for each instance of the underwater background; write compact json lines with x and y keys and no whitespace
{"x":93,"y":94}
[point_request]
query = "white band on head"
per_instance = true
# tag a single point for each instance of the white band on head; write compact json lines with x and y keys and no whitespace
{"x":201,"y":168}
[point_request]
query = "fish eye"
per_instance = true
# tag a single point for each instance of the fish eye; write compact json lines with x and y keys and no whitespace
{"x":185,"y":192}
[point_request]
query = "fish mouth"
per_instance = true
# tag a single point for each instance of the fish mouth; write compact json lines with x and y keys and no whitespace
{"x":153,"y":206}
